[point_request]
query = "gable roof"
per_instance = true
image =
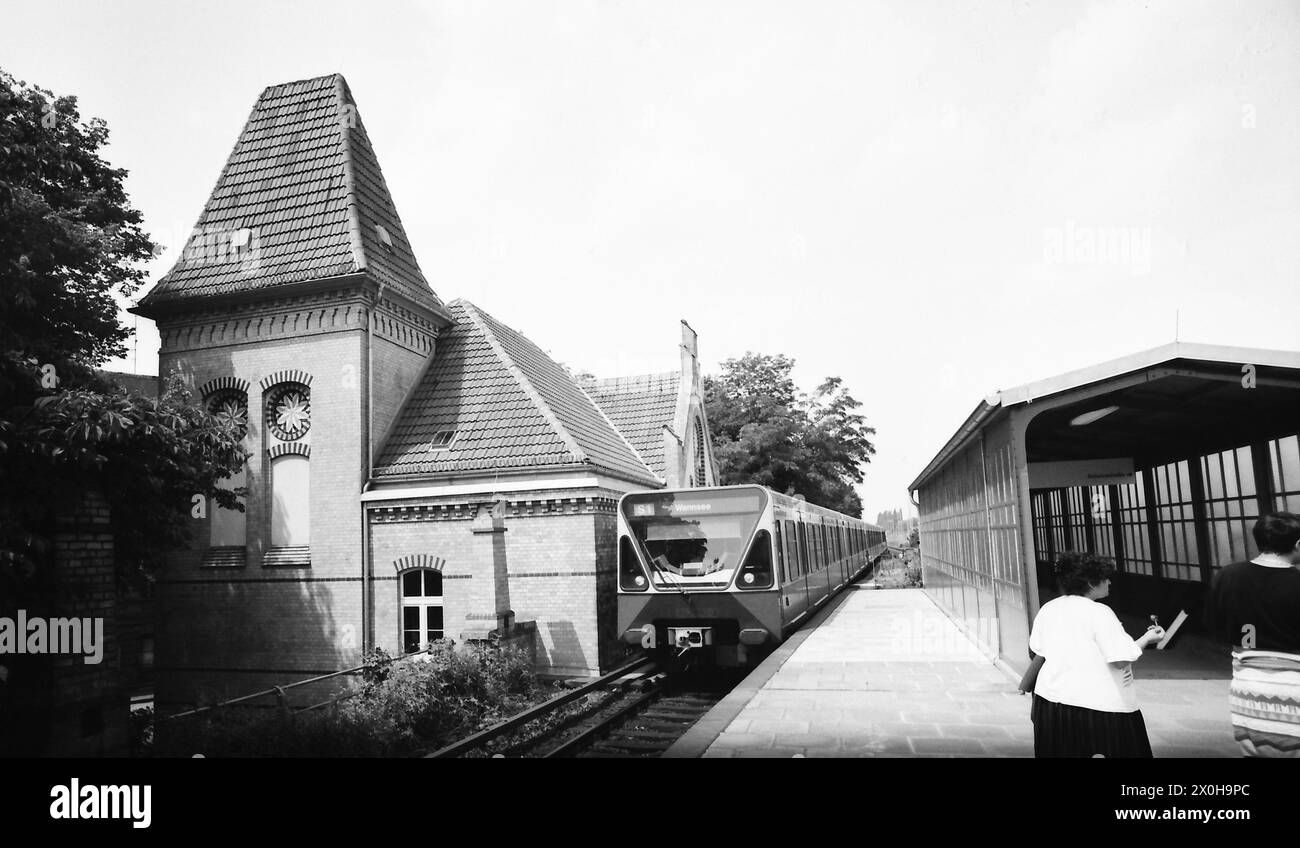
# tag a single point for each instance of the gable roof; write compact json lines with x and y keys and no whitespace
{"x":298,"y":200}
{"x":640,"y":407}
{"x":510,"y":406}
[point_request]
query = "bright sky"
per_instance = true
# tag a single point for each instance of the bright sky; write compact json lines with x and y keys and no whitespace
{"x":910,"y":195}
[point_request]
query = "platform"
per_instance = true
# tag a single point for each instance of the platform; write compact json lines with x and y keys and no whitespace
{"x":885,"y":673}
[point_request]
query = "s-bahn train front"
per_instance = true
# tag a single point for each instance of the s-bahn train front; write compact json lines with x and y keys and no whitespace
{"x":695,"y":573}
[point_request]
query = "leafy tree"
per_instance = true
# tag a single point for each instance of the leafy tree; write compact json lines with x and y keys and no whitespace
{"x":69,"y":239}
{"x":70,"y":242}
{"x":766,"y":432}
{"x":889,"y":518}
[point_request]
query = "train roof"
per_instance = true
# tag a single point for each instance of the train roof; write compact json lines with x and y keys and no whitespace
{"x":787,"y":501}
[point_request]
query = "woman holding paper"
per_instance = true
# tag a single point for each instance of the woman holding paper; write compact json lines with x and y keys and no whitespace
{"x":1084,"y":701}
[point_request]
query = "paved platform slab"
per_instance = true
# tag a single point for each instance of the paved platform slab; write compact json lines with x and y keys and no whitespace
{"x":886,"y":673}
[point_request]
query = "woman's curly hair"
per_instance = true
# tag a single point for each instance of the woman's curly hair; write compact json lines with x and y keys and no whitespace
{"x":1077,"y":572}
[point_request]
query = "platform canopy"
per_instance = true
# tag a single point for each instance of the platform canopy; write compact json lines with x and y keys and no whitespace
{"x":1169,"y":402}
{"x":1161,"y":461}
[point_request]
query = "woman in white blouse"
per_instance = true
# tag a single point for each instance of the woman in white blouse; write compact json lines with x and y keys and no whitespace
{"x":1084,"y":701}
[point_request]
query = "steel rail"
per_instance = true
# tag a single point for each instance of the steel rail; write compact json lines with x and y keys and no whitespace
{"x":488,"y":734}
{"x":591,"y":734}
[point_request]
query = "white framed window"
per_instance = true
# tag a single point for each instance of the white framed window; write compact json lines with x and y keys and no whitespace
{"x":421,"y":608}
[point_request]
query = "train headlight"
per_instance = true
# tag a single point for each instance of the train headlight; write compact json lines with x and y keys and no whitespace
{"x":756,"y":573}
{"x":631,"y":576}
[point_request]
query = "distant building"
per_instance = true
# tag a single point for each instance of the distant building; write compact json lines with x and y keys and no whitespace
{"x":418,"y":469}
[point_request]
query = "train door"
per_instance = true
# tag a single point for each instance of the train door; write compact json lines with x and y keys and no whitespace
{"x":829,"y":547}
{"x":795,"y":594}
{"x":818,"y":587}
{"x":780,"y":533}
{"x":806,"y":559}
{"x":841,"y":556}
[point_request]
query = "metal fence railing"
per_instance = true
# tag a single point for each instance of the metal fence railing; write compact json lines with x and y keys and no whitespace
{"x":281,"y":696}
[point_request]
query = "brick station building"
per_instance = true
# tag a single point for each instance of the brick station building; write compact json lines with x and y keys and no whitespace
{"x":418,"y":469}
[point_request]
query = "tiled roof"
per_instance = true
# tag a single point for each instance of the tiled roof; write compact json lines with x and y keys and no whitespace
{"x":299,"y":199}
{"x":640,"y":407}
{"x":510,"y":406}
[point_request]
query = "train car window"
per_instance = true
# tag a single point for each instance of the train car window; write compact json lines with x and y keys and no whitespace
{"x":780,"y":553}
{"x":756,"y":573}
{"x":805,"y":561}
{"x":791,"y":550}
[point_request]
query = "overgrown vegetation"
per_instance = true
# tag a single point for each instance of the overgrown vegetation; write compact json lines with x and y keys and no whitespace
{"x":897,"y":574}
{"x":404,"y":708}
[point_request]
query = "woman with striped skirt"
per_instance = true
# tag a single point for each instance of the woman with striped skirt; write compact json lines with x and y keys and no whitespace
{"x":1084,"y":701}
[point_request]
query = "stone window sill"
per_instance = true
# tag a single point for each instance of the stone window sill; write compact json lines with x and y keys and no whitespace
{"x":288,"y":556}
{"x":225,"y":556}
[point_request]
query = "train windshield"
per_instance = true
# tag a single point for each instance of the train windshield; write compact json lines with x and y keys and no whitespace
{"x":694,"y":540}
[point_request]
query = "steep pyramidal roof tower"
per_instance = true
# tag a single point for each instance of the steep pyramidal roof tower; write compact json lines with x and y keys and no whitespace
{"x":301,"y":199}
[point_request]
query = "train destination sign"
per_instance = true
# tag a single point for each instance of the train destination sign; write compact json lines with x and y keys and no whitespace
{"x":1117,"y":471}
{"x":683,"y":505}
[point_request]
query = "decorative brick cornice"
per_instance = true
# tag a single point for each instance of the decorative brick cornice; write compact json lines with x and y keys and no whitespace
{"x":403,"y":327}
{"x":284,"y":448}
{"x":292,"y":375}
{"x":414,"y":561}
{"x":467,"y":511}
{"x":235,"y":323}
{"x":336,"y":310}
{"x":221,"y":384}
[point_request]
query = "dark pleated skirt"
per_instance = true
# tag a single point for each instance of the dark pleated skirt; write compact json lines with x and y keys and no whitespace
{"x":1061,"y":730}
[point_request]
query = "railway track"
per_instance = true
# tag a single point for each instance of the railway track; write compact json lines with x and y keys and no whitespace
{"x":652,"y":728}
{"x":636,"y":711}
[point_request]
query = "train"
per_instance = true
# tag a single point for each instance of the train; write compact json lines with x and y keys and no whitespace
{"x":724,"y":574}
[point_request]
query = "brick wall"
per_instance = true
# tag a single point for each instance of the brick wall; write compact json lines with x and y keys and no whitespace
{"x":90,"y":705}
{"x":222,"y":632}
{"x":396,"y":370}
{"x":560,"y":558}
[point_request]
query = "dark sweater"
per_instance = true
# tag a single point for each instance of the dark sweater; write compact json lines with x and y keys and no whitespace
{"x":1267,"y":598}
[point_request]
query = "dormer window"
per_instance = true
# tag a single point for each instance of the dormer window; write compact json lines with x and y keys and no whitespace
{"x":384,"y":236}
{"x":442,"y":439}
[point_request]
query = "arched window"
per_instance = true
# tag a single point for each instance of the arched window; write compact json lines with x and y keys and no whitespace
{"x":421,"y":608}
{"x":701,"y":456}
{"x":228,"y":528}
{"x":287,"y":413}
